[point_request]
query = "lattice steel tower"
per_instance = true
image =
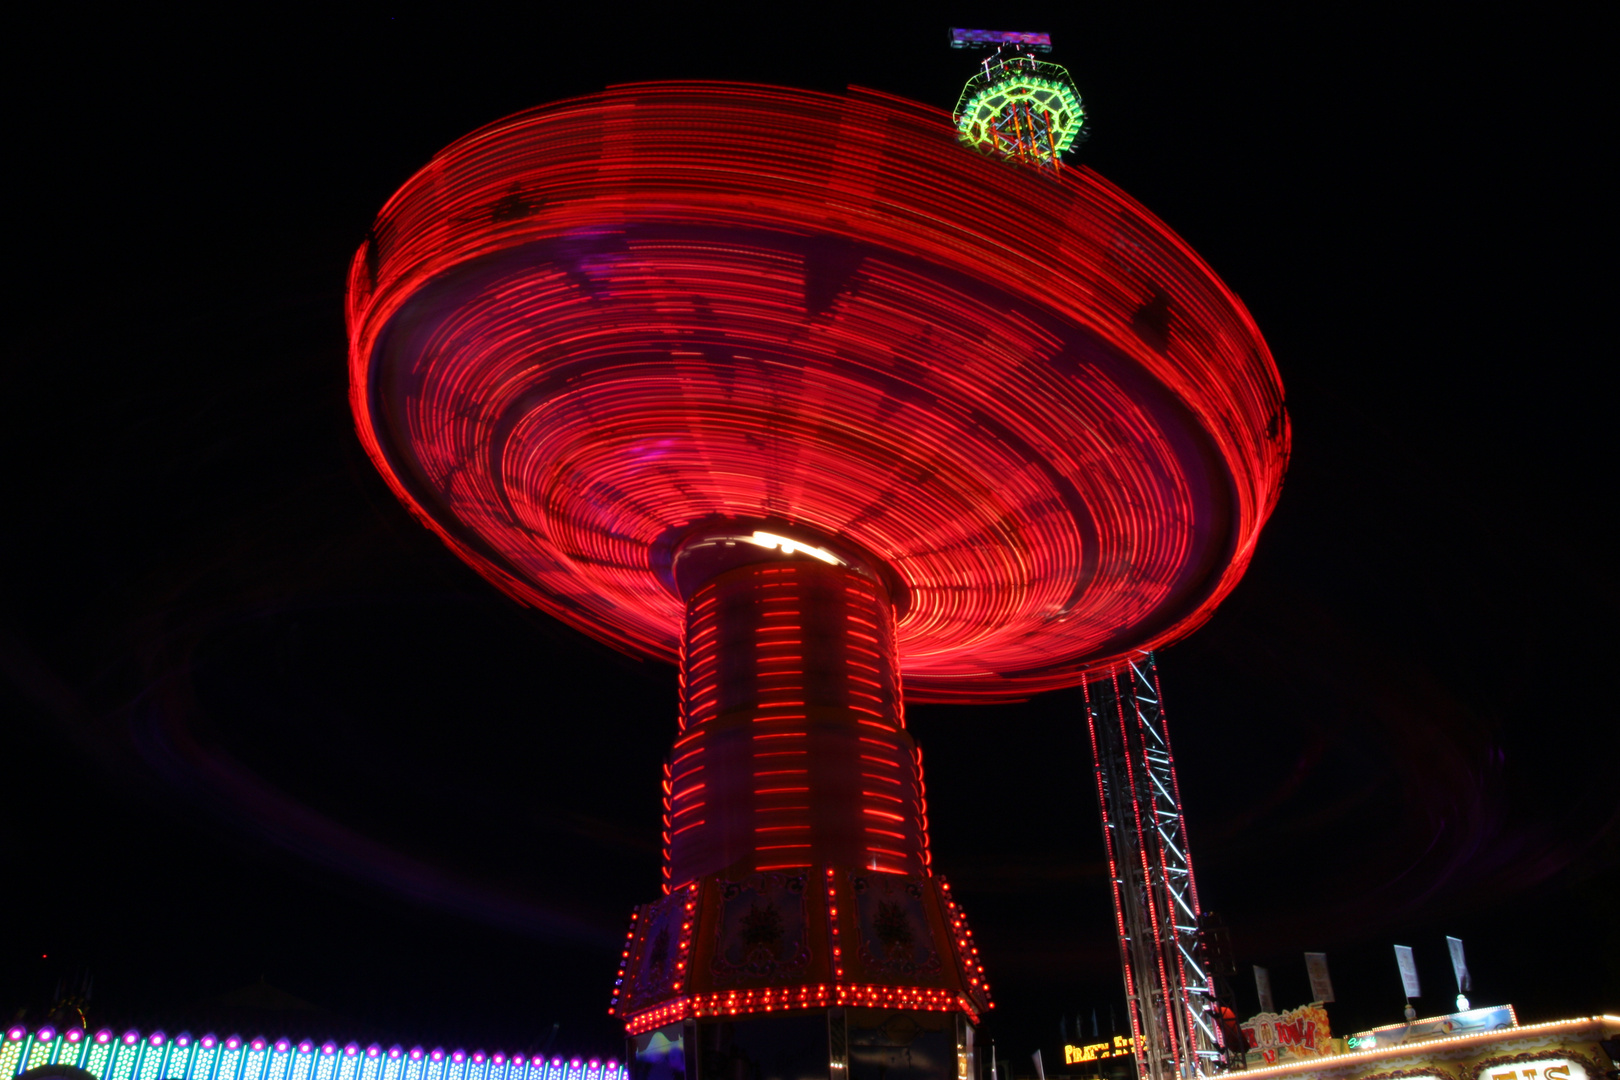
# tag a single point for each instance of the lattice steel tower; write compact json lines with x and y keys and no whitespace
{"x":1028,"y":111}
{"x":1168,"y":986}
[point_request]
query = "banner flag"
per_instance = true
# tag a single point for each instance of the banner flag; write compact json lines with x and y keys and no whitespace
{"x":1040,"y":1070}
{"x":1262,"y":984}
{"x":1408,"y":966}
{"x":1321,"y":985}
{"x":1459,"y":966}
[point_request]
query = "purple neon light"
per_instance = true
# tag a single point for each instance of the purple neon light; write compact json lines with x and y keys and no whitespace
{"x":456,"y":1064}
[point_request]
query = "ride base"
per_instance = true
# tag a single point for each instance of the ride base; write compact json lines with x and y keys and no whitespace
{"x":803,"y":933}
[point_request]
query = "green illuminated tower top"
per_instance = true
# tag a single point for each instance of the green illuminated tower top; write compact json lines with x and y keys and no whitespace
{"x":1017,"y":106}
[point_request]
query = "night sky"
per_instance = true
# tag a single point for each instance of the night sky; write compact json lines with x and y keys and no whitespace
{"x":259,"y":724}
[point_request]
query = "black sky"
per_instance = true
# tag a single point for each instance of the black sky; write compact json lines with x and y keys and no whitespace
{"x":258,"y":723}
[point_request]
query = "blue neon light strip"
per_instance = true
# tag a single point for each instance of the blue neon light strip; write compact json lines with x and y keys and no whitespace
{"x":155,"y":1056}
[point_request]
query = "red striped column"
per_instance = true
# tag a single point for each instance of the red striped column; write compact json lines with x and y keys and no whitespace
{"x":793,"y":751}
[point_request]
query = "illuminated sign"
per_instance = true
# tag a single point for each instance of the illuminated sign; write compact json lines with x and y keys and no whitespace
{"x":1297,"y":1033}
{"x":963,"y":39}
{"x":1490,"y":1018}
{"x":1122,"y":1046}
{"x":1558,"y":1050}
{"x":1544,"y":1069}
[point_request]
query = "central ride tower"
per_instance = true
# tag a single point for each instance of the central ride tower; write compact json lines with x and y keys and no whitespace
{"x":802,"y":924}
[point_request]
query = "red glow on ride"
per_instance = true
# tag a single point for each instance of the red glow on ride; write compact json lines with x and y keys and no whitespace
{"x":788,"y":701}
{"x":592,"y":325}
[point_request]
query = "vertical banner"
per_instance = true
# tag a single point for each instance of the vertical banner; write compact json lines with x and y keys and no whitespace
{"x":1262,"y":985}
{"x":1321,"y":985}
{"x":1459,"y":966}
{"x":1408,"y":966}
{"x":1040,"y":1070}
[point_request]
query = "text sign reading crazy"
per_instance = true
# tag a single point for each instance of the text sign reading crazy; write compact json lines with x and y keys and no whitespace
{"x":1122,"y":1046}
{"x":1297,"y":1033}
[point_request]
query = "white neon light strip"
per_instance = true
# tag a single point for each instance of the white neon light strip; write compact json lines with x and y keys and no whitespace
{"x":771,"y":540}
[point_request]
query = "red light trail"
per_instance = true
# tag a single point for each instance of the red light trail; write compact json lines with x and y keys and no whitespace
{"x":585,"y":329}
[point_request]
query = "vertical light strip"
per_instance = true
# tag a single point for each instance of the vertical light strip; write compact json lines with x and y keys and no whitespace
{"x":281,"y":1060}
{"x":255,"y":1059}
{"x":206,"y":1066}
{"x":127,"y":1055}
{"x":1110,"y":831}
{"x":155,"y":1059}
{"x":230,"y":1058}
{"x":11,"y":1050}
{"x":74,"y":1047}
{"x":37,"y":1048}
{"x":303,"y":1060}
{"x":182,"y":1056}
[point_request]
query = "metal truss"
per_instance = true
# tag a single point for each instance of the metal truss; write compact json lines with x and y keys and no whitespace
{"x":1168,"y":986}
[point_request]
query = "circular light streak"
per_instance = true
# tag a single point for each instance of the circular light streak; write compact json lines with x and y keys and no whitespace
{"x":590,"y":329}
